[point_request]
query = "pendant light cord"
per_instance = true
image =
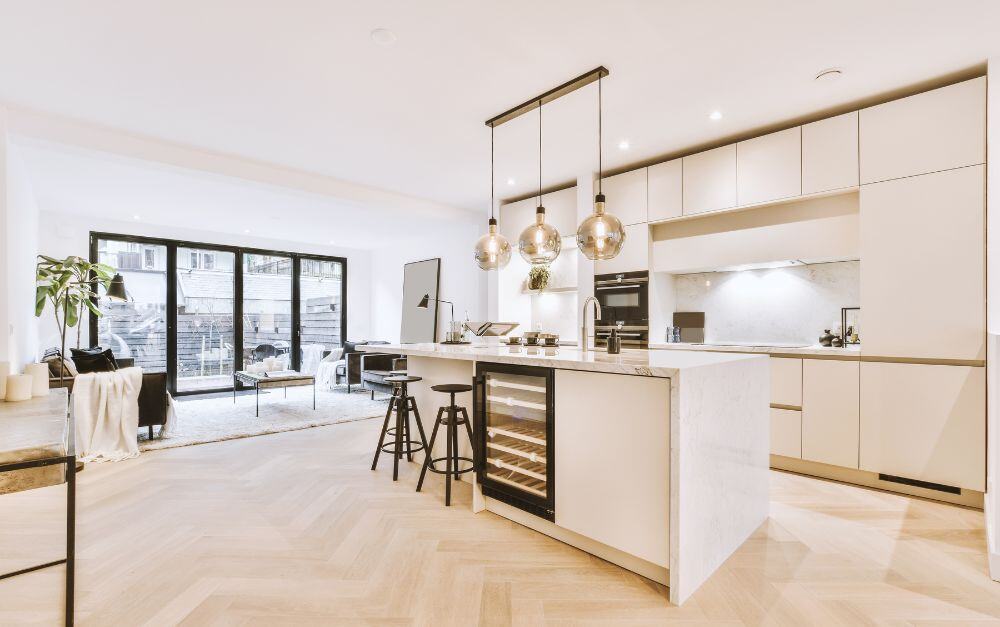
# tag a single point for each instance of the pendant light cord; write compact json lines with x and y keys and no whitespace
{"x":539,"y":153}
{"x":492,"y":176}
{"x":600,"y":131}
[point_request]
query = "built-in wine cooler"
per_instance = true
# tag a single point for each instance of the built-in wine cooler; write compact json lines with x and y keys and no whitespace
{"x":514,"y":426}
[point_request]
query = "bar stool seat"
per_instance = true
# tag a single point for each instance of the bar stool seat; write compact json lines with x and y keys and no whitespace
{"x":452,"y":388}
{"x":403,"y":403}
{"x":448,"y":416}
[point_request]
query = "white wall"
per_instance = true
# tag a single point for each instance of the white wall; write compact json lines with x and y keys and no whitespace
{"x":992,"y":503}
{"x":19,"y":228}
{"x":462,"y":282}
{"x":775,"y":306}
{"x":62,"y":235}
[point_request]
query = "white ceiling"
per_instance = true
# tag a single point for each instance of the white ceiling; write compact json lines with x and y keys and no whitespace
{"x":302,"y":85}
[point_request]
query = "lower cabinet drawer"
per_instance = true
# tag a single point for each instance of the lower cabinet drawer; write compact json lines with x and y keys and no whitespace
{"x":786,"y":432}
{"x":924,"y":422}
{"x":830,"y":412}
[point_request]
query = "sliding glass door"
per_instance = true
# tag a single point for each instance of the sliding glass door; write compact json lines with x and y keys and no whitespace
{"x":267,"y":309}
{"x":200,"y":311}
{"x":137,"y":328}
{"x":205,"y":325}
{"x":321,"y":310}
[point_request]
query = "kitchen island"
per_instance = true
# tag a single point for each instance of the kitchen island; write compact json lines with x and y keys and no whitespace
{"x":655,"y":460}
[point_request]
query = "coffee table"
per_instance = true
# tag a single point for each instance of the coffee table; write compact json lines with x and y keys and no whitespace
{"x":281,"y":379}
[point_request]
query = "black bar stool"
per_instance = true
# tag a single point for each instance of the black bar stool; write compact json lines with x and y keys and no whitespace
{"x":403,"y":404}
{"x":451,"y":422}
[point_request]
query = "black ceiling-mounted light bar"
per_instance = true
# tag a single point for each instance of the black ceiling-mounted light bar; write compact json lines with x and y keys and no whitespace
{"x":553,"y":94}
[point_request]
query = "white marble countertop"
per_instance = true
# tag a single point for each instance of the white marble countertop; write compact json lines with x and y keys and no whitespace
{"x":768,"y":349}
{"x":629,"y":361}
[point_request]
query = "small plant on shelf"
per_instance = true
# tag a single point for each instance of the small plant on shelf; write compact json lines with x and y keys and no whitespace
{"x":538,"y":278}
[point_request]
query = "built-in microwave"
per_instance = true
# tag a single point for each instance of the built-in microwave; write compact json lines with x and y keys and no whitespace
{"x":624,"y":299}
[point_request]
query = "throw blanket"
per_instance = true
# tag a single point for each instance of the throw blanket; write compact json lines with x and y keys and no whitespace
{"x":106,"y":411}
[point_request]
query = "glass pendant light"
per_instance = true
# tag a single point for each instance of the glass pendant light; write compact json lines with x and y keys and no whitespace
{"x":492,"y":249}
{"x":540,"y":243}
{"x":601,"y":236}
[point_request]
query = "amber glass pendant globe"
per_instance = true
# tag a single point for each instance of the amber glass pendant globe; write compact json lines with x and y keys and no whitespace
{"x":539,"y":243}
{"x":601,"y":236}
{"x":492,"y":249}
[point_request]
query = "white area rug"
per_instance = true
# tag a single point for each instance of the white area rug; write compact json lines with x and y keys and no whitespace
{"x":215,"y":419}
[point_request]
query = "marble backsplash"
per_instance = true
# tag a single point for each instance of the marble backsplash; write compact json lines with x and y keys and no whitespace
{"x":791,"y":305}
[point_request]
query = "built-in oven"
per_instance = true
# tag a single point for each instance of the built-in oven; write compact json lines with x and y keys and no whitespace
{"x":514,"y":425}
{"x":624,"y":299}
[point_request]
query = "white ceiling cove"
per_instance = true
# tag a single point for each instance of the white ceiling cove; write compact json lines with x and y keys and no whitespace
{"x":302,"y":84}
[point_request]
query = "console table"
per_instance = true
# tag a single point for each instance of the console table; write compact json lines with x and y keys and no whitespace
{"x":282,"y":379}
{"x":37,"y":450}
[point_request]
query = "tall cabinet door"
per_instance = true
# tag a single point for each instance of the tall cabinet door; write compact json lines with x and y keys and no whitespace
{"x":923,"y":272}
{"x":626,"y":196}
{"x":924,"y":422}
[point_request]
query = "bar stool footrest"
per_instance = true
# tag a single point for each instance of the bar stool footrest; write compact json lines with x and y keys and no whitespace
{"x":434,"y":460}
{"x":415,"y":446}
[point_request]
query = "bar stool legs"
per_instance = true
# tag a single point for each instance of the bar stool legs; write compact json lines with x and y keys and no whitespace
{"x":451,"y":421}
{"x":403,"y":404}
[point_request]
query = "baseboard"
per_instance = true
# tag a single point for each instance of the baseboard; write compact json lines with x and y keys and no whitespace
{"x":637,"y":565}
{"x":967,"y":498}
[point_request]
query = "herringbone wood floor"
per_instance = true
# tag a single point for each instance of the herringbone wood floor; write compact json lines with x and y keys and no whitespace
{"x":294,"y":528}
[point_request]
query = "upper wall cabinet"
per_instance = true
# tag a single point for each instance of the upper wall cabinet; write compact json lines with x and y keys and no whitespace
{"x":710,"y":180}
{"x":923,"y":274}
{"x":933,"y":131}
{"x":560,"y":212}
{"x":665,"y":185}
{"x":830,"y":154}
{"x":769,"y":167}
{"x":634,"y":255}
{"x":626,"y":196}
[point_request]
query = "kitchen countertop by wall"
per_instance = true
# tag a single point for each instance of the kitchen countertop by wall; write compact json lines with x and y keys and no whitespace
{"x":816,"y":349}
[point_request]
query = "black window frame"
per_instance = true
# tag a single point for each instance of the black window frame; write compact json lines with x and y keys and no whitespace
{"x":172,"y":245}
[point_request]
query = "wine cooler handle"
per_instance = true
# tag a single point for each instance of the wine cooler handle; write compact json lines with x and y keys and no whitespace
{"x":479,"y":425}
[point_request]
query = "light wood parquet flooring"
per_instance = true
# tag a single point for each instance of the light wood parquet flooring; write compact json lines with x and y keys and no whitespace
{"x":293,"y":528}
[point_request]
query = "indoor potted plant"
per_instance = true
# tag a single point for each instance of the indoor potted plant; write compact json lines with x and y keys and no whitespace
{"x":538,"y":278}
{"x":70,"y":285}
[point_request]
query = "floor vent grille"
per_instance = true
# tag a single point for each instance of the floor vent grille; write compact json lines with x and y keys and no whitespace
{"x":921,"y":484}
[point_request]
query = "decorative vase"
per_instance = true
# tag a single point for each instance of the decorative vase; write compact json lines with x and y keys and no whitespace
{"x":826,"y":339}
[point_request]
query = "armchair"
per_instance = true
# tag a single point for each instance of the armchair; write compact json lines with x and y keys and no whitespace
{"x":375,"y":367}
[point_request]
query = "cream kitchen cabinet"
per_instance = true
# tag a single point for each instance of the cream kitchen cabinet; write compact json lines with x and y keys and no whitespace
{"x":923,"y":277}
{"x":769,"y":167}
{"x":937,"y":130}
{"x":634,"y":255}
{"x":830,"y":154}
{"x":925,"y":422}
{"x":560,"y":212}
{"x":665,"y":195}
{"x":786,"y":381}
{"x":710,"y":180}
{"x":786,"y":432}
{"x":626,"y":196}
{"x":830,"y":411}
{"x":604,"y":466}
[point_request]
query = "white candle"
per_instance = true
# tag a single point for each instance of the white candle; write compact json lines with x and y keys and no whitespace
{"x":4,"y":372}
{"x":39,"y":378}
{"x":18,"y":387}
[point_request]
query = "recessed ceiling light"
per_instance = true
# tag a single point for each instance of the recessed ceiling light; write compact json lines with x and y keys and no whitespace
{"x":383,"y":36}
{"x":246,"y":230}
{"x":829,"y":74}
{"x":715,"y":116}
{"x":623,"y":144}
{"x":511,"y":181}
{"x":135,"y":217}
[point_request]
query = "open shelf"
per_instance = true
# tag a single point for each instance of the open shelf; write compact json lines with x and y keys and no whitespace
{"x":516,"y":466}
{"x":534,"y":453}
{"x":521,"y":482}
{"x":522,"y":432}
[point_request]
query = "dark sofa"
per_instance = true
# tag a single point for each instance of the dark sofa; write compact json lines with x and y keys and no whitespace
{"x":375,"y":367}
{"x":349,"y":369}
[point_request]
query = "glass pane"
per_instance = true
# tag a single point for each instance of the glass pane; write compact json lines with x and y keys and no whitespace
{"x":204,"y":319}
{"x":320,"y":285}
{"x":516,"y":445}
{"x":136,"y":328}
{"x":267,"y":310}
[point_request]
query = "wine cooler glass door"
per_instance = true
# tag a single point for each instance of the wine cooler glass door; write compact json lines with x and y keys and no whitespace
{"x":518,"y":429}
